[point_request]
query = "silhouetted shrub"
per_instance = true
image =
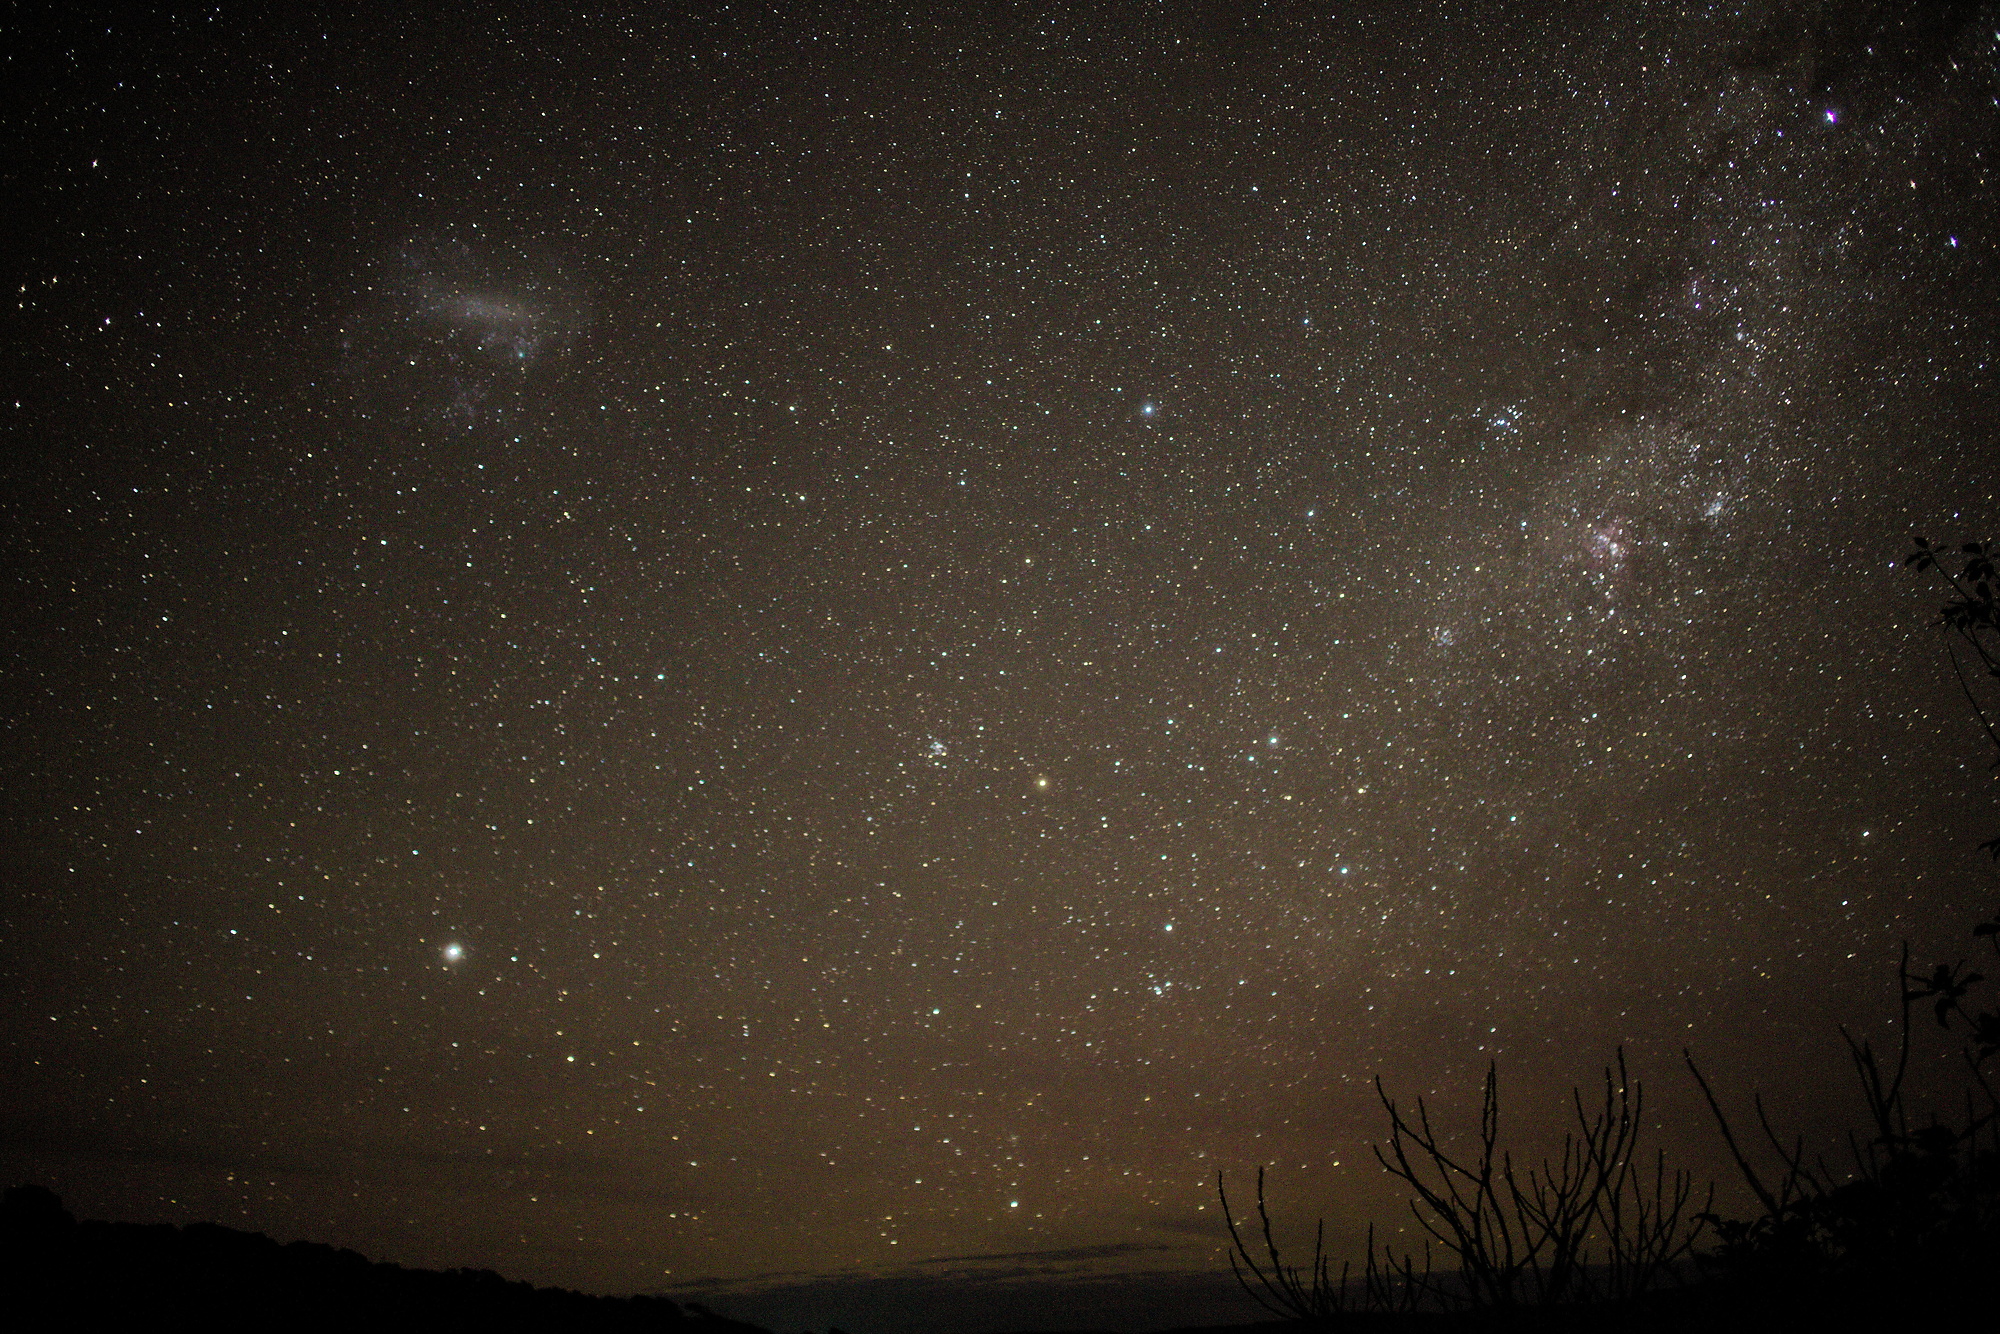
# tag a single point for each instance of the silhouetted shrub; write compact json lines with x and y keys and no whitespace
{"x":1598,"y":1221}
{"x":1907,"y":1224}
{"x":1910,"y":1214}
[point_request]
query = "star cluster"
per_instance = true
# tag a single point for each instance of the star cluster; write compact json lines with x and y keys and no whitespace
{"x":656,"y":652}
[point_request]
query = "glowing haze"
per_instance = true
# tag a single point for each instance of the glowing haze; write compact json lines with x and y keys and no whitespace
{"x":833,"y":659}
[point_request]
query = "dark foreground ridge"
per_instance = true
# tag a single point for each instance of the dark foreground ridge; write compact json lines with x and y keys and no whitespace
{"x":1870,"y":1305}
{"x":57,"y":1273}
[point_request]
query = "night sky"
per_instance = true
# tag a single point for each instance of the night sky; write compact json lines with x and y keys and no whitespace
{"x":763,"y":646}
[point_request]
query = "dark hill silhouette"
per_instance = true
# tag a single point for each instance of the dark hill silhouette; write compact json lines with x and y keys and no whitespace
{"x":58,"y":1273}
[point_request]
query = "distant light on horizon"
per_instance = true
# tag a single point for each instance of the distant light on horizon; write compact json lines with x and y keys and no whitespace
{"x":405,"y":568}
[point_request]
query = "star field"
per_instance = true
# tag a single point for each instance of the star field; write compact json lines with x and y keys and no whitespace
{"x":763,"y":643}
